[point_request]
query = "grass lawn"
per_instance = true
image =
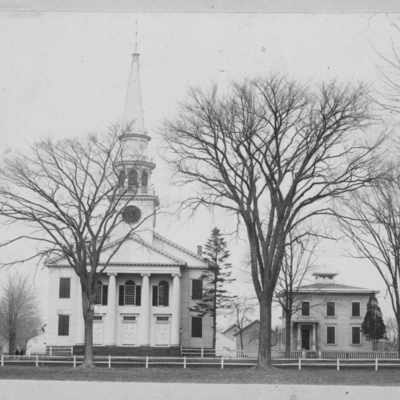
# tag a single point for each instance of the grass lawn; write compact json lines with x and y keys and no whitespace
{"x":385,"y":377}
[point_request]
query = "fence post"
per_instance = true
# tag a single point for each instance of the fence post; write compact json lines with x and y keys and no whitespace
{"x":2,"y":360}
{"x":338,"y":366}
{"x":184,"y":362}
{"x":51,"y":350}
{"x":299,"y":363}
{"x":147,"y":362}
{"x":222,"y":362}
{"x":109,"y":361}
{"x":74,"y":361}
{"x":72,"y":349}
{"x":376,"y":364}
{"x":37,"y":360}
{"x":202,"y":352}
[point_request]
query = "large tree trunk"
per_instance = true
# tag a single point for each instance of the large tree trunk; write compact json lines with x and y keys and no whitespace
{"x":12,"y":343}
{"x":264,"y":350}
{"x":288,"y":334}
{"x":88,"y":313}
{"x":398,"y":335}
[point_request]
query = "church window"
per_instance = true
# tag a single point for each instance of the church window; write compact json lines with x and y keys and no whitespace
{"x":197,"y":289}
{"x":101,"y":293}
{"x":130,"y":294}
{"x":197,"y":327}
{"x":132,"y":178}
{"x":161,"y":294}
{"x":121,"y":179}
{"x":65,"y":288}
{"x":63,"y":325}
{"x":145,"y":178}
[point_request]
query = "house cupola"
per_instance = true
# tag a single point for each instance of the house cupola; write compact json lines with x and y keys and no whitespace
{"x":325,"y":277}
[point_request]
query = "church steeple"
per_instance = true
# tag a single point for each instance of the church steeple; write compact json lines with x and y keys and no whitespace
{"x":134,"y":167}
{"x":133,"y":121}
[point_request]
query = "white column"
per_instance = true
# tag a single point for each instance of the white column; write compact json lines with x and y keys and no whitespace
{"x":111,"y":338}
{"x":314,"y":337}
{"x":176,"y":309}
{"x":145,"y":312}
{"x":298,"y":337}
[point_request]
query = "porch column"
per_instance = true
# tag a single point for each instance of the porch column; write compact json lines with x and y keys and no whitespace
{"x":145,"y":312}
{"x":298,"y":337}
{"x":176,"y":310}
{"x":314,"y":340}
{"x":111,"y":322}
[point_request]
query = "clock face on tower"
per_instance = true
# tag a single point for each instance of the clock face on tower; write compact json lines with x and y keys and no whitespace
{"x":131,"y":214}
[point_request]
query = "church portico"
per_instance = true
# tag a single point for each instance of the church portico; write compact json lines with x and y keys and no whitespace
{"x":142,"y":308}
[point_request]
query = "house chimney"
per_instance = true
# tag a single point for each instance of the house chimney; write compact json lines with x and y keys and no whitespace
{"x":200,"y":251}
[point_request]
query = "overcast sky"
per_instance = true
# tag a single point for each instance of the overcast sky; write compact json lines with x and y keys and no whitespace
{"x":66,"y":74}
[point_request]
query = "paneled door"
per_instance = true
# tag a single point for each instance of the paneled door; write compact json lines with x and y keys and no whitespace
{"x":163,"y":331}
{"x":129,"y":330}
{"x":98,"y":330}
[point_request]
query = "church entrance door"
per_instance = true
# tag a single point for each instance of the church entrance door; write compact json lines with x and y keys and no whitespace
{"x":129,"y":331}
{"x":162,"y":331}
{"x":98,"y":330}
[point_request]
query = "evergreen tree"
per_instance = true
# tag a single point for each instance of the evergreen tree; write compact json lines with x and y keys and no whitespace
{"x":373,"y":326}
{"x":215,"y":296}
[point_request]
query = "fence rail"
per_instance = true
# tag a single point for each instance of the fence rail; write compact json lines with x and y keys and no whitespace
{"x":187,"y":362}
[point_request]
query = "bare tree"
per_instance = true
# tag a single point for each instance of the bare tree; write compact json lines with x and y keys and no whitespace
{"x":371,"y":220}
{"x":19,"y":312}
{"x":67,"y":193}
{"x":243,"y":308}
{"x":273,"y":152}
{"x":392,"y":333}
{"x":298,"y":261}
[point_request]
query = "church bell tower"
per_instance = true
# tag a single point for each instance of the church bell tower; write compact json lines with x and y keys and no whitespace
{"x":134,"y":168}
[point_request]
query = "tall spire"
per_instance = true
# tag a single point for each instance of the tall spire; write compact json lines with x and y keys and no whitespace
{"x":133,"y":121}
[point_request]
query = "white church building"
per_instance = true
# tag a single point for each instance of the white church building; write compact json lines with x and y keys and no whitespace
{"x":145,"y":294}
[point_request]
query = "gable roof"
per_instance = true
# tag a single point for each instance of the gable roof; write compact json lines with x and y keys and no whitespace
{"x":133,"y":251}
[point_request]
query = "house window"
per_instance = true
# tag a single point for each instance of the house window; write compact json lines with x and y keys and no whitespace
{"x":330,"y":308}
{"x":65,"y":288}
{"x":101,"y":294}
{"x":197,"y":289}
{"x":197,"y":327}
{"x":305,"y":308}
{"x":161,"y":294}
{"x":98,"y":318}
{"x":63,"y":325}
{"x":356,"y":335}
{"x":355,"y":309}
{"x":145,"y":178}
{"x":330,"y":335}
{"x":162,"y":319}
{"x":130,"y":294}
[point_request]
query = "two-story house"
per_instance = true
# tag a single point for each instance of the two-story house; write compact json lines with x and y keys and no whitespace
{"x":329,"y":316}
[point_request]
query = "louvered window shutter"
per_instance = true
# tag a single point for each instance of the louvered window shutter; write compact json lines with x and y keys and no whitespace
{"x":138,"y":295}
{"x":121,"y":295}
{"x":155,"y":295}
{"x":105,"y":295}
{"x":166,"y":295}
